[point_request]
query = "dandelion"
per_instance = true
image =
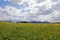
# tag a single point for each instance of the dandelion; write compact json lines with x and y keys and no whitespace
{"x":35,"y":38}
{"x":44,"y":39}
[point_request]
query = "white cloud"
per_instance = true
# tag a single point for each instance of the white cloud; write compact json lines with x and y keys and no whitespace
{"x":8,"y":12}
{"x":55,"y":16}
{"x":12,"y":11}
{"x":51,"y":17}
{"x":35,"y":11}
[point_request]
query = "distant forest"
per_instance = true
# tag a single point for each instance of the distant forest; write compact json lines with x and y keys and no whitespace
{"x":28,"y":22}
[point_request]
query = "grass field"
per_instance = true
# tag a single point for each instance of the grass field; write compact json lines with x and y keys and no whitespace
{"x":29,"y":31}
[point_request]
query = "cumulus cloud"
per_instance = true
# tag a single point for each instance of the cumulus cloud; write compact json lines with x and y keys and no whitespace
{"x":6,"y":15}
{"x":12,"y":13}
{"x":53,"y":17}
{"x":31,"y":10}
{"x":54,"y":0}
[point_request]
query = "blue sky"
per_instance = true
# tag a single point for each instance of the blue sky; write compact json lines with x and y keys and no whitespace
{"x":30,"y":10}
{"x":4,"y":3}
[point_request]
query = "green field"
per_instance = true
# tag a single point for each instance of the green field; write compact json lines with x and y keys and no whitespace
{"x":29,"y":31}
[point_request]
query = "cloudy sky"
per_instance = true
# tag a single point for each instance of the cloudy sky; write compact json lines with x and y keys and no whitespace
{"x":30,"y":10}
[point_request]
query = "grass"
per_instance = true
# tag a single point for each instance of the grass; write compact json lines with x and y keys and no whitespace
{"x":29,"y":31}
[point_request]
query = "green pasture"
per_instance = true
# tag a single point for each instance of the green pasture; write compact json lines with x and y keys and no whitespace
{"x":29,"y":31}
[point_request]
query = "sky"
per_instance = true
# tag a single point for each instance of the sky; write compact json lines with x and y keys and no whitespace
{"x":30,"y":10}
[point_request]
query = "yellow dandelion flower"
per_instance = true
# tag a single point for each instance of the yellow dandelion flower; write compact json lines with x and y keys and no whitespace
{"x":35,"y":38}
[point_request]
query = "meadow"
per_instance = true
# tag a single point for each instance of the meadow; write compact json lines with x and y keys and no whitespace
{"x":29,"y":31}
